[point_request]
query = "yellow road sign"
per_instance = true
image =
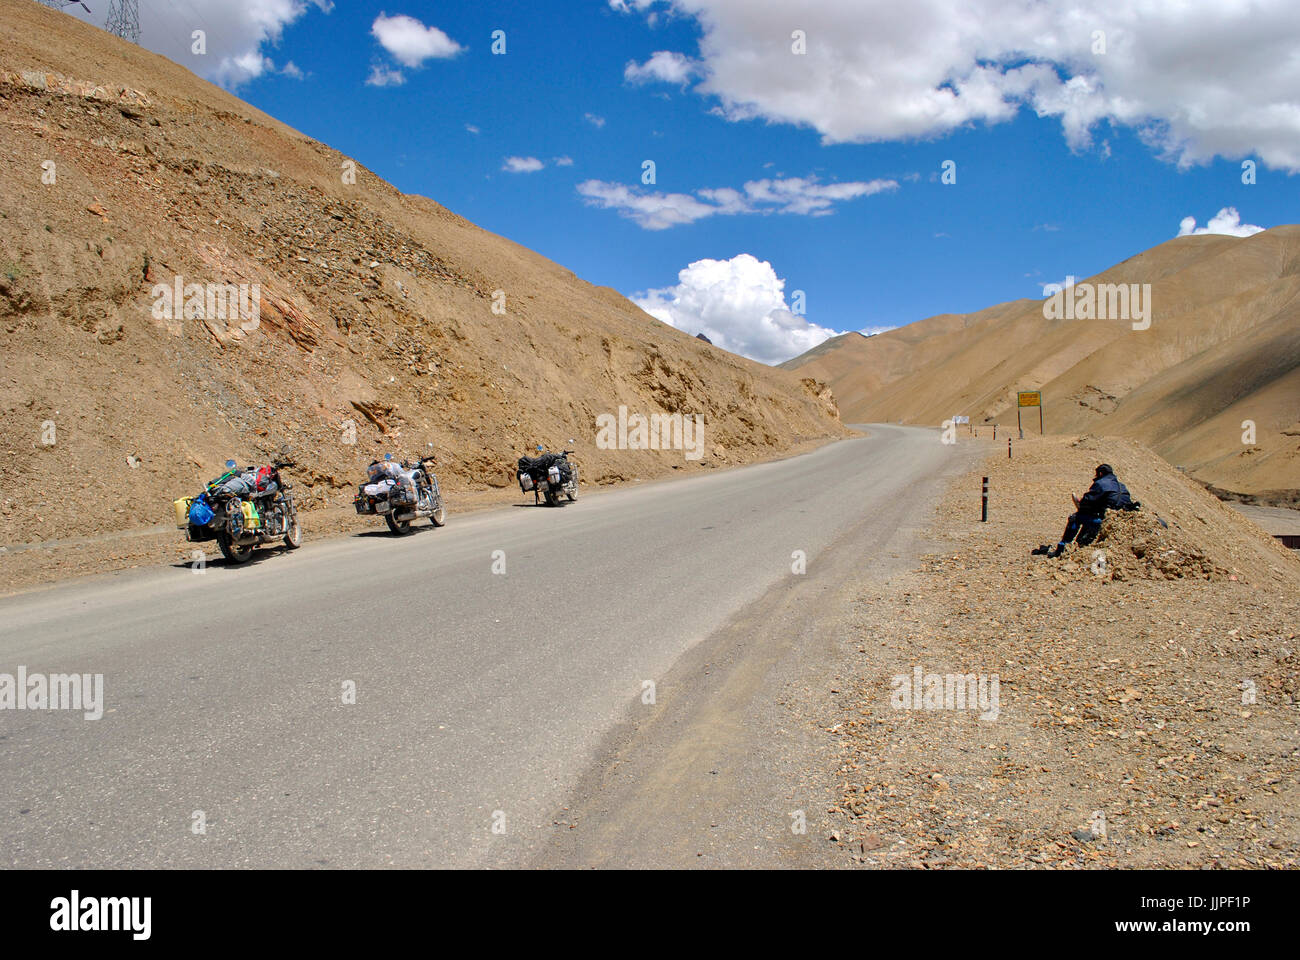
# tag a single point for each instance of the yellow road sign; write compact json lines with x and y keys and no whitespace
{"x":1029,"y":398}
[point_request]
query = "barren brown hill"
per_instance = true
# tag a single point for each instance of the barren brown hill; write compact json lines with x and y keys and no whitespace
{"x":1223,"y":348}
{"x":120,"y":171}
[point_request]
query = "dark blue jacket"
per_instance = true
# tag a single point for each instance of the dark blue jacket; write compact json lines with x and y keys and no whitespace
{"x":1106,"y":491}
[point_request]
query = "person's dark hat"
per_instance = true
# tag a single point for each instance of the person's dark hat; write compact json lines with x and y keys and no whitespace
{"x":1103,"y":469}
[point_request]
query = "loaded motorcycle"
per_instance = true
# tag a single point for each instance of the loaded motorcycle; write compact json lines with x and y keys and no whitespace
{"x":400,"y":493}
{"x":241,"y":510}
{"x":548,"y":475}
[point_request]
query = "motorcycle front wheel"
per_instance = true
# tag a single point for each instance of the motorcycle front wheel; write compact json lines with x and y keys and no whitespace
{"x":233,"y":552}
{"x":293,"y":533}
{"x":439,"y":516}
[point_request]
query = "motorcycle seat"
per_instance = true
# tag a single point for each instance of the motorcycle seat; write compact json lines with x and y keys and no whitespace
{"x":538,"y":463}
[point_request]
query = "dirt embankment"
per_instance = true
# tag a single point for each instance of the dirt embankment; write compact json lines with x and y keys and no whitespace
{"x":1147,"y":708}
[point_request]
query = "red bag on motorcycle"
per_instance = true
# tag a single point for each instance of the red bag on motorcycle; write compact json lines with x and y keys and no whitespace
{"x":265,"y":480}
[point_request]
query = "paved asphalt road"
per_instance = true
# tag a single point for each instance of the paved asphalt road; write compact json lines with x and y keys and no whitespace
{"x":481,"y":698}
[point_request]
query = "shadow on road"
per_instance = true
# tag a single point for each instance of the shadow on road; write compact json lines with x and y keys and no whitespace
{"x":385,"y":532}
{"x":260,"y":555}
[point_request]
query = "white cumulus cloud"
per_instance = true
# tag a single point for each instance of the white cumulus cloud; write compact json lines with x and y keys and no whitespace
{"x":1226,"y":222}
{"x":653,"y":211}
{"x":381,"y":76}
{"x":739,"y":304}
{"x":664,"y":66}
{"x":1195,"y":78}
{"x":410,"y":41}
{"x":522,"y":165}
{"x":794,"y":195}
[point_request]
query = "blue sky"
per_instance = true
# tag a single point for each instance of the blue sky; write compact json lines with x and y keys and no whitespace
{"x":728,"y":102}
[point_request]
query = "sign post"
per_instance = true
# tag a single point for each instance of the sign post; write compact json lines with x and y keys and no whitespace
{"x":1030,"y":398}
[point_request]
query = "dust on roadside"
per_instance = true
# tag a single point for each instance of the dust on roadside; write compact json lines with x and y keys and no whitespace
{"x":1147,"y":704}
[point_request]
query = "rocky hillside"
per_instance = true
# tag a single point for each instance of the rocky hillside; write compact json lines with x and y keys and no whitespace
{"x":383,"y":321}
{"x":1222,"y":348}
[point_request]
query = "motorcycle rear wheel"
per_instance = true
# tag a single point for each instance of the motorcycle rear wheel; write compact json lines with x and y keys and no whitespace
{"x":552,"y":498}
{"x":399,"y":527}
{"x":233,"y":552}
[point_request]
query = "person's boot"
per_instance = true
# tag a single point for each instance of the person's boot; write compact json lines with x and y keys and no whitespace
{"x":1057,"y":551}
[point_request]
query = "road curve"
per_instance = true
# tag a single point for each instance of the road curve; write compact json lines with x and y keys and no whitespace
{"x":480,"y":697}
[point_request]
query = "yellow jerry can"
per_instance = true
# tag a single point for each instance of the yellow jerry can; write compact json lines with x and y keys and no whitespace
{"x":251,"y":520}
{"x":182,"y":508}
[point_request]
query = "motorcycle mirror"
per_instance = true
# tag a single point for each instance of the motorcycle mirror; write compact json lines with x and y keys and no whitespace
{"x":388,"y":456}
{"x":230,"y":464}
{"x":539,"y":448}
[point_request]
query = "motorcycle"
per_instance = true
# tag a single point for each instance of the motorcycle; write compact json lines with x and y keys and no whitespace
{"x":548,"y":475}
{"x":401,"y":493}
{"x":241,"y":516}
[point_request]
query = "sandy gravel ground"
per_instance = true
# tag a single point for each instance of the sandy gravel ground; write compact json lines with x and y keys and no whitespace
{"x":1146,"y":712}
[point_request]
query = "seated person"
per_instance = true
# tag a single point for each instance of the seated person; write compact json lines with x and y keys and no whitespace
{"x":1090,"y":509}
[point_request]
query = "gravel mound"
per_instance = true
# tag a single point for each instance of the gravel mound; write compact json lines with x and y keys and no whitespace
{"x":1136,"y":545}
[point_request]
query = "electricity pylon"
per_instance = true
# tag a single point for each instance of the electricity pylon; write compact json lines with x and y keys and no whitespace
{"x":124,"y":19}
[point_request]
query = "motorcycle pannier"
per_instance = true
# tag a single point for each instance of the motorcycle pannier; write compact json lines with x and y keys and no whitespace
{"x":525,"y":481}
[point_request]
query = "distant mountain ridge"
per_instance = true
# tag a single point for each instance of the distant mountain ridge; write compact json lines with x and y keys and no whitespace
{"x":1220,"y":359}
